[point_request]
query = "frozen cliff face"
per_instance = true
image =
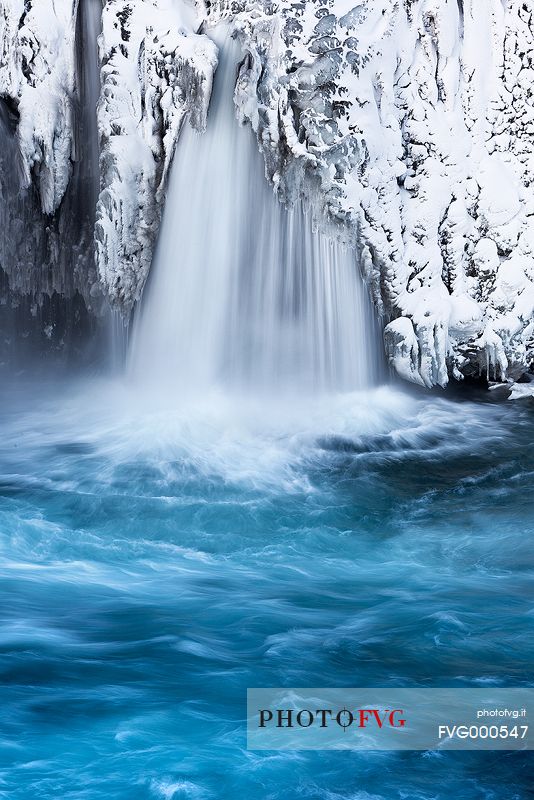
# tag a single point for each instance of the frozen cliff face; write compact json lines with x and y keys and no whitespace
{"x":37,"y":76}
{"x":46,"y":251}
{"x":155,"y":71}
{"x":407,"y":123}
{"x":56,"y":201}
{"x":411,"y":124}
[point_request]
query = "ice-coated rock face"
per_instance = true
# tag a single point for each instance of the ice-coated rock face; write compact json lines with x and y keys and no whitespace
{"x":408,"y":123}
{"x":37,"y":75}
{"x":46,"y":243}
{"x":411,"y":123}
{"x":155,"y":70}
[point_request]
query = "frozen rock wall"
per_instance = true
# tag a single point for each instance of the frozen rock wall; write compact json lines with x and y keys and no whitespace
{"x":155,"y":71}
{"x":37,"y":78}
{"x":410,"y":122}
{"x":48,"y":283}
{"x":407,"y":123}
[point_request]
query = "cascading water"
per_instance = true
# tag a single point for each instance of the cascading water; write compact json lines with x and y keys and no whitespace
{"x":242,"y":290}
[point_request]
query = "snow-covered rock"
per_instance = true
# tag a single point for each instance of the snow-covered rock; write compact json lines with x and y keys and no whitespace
{"x":37,"y":76}
{"x":407,"y":123}
{"x":155,"y":71}
{"x":46,"y":243}
{"x":410,"y":123}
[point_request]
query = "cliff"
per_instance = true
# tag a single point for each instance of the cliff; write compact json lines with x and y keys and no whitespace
{"x":407,"y":124}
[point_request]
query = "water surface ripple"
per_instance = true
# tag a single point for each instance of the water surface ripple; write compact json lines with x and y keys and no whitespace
{"x":157,"y":561}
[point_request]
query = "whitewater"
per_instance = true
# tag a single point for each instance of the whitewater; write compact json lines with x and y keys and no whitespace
{"x":157,"y":562}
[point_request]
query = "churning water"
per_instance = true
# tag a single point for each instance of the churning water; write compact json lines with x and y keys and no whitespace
{"x":243,"y":291}
{"x":156,"y":563}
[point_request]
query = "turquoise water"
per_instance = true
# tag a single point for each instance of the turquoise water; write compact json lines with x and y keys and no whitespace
{"x":157,"y":561}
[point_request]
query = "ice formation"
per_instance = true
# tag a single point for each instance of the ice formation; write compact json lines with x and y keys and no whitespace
{"x":407,"y":123}
{"x":411,"y":122}
{"x":155,"y":71}
{"x":37,"y":74}
{"x":49,"y":76}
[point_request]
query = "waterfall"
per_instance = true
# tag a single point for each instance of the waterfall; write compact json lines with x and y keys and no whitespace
{"x":242,"y":290}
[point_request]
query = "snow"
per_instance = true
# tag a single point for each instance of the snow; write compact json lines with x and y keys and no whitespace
{"x":37,"y":72}
{"x":410,"y":124}
{"x":155,"y":71}
{"x":45,"y":248}
{"x":406,"y":123}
